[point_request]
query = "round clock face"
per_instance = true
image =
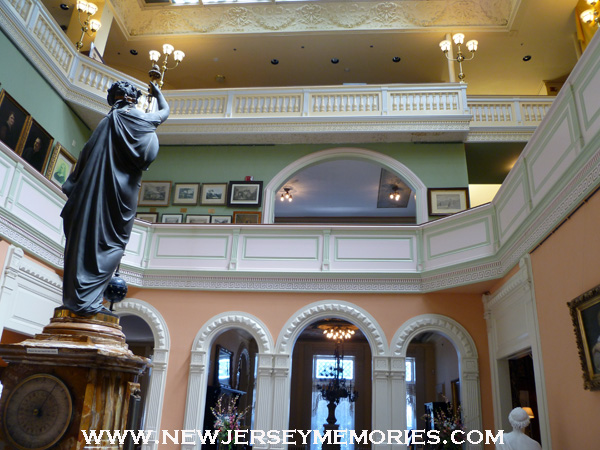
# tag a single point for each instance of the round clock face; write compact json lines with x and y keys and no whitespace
{"x":38,"y":412}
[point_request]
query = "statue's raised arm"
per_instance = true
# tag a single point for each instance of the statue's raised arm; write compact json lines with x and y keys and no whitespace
{"x":102,"y":195}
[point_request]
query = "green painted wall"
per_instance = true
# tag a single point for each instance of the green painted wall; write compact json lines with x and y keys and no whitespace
{"x":437,"y":165}
{"x":36,"y":95}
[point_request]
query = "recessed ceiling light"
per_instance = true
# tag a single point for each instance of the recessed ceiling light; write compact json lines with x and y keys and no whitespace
{"x":347,"y":69}
{"x":527,"y":58}
{"x":133,"y":51}
{"x":274,"y":62}
{"x":371,"y":46}
{"x":334,"y":60}
{"x":64,"y":6}
{"x":396,"y":59}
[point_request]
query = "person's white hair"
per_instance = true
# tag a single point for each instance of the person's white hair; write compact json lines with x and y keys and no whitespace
{"x":518,"y":418}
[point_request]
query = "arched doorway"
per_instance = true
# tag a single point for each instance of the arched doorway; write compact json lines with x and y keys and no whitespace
{"x":330,"y":372}
{"x":394,"y":166}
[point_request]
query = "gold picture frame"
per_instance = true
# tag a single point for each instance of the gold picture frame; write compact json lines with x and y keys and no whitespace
{"x":585,"y":314}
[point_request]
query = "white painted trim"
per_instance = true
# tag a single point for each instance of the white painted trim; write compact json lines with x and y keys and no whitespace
{"x":197,"y":382}
{"x":519,"y":292}
{"x":470,"y":395}
{"x":158,"y":378}
{"x":385,"y":161}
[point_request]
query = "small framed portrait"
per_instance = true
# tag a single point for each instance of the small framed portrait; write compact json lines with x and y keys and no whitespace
{"x":585,"y":314}
{"x":220,"y":219}
{"x":186,"y":193}
{"x":443,"y":202}
{"x":213,"y":194}
{"x":248,"y":217}
{"x":244,"y":193}
{"x":60,"y":166}
{"x":171,"y":218}
{"x":151,"y":217}
{"x":154,"y":193}
{"x":197,"y":218}
{"x":35,"y":147}
{"x":13,"y":120}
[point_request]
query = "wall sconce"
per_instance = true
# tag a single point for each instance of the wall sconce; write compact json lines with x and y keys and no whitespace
{"x":88,"y":26}
{"x":395,"y":195}
{"x":286,"y":196}
{"x":591,"y":15}
{"x":158,"y":74}
{"x":458,"y":39}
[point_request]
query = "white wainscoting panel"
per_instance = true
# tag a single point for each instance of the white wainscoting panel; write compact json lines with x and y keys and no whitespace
{"x":29,"y":292}
{"x":7,"y":170}
{"x":513,"y":206}
{"x":461,"y":242}
{"x":270,"y":252}
{"x":548,"y":162}
{"x":40,"y":208}
{"x":190,"y":251}
{"x":134,"y":252}
{"x":587,"y":96}
{"x":385,"y":254}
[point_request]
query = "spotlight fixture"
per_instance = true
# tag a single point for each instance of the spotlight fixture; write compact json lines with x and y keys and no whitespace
{"x":334,"y":60}
{"x":133,"y":51}
{"x":458,"y":39}
{"x":88,"y":26}
{"x":396,"y":59}
{"x":64,"y":7}
{"x":527,"y":58}
{"x":395,"y":195}
{"x":274,"y":62}
{"x":286,"y":196}
{"x":158,"y":74}
{"x":590,"y":16}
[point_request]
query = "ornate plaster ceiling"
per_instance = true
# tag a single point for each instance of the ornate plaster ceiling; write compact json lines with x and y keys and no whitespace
{"x":139,"y":19}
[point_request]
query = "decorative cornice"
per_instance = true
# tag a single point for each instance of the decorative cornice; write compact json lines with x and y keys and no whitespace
{"x":137,"y":20}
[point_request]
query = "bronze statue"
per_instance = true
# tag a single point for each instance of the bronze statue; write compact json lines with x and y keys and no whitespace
{"x":102,"y":195}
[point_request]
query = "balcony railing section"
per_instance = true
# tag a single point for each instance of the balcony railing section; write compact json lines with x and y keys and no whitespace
{"x":405,"y":109}
{"x":509,"y":112}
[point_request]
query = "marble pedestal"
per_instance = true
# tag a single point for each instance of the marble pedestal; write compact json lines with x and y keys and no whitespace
{"x":90,"y":357}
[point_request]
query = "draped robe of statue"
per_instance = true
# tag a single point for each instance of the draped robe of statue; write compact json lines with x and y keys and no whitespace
{"x":102,"y":200}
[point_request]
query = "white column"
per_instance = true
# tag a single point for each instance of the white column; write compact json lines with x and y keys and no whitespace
{"x":101,"y":36}
{"x":382,"y":398}
{"x":398,"y":396}
{"x":451,"y":70}
{"x":264,"y":395}
{"x":469,"y":388}
{"x":196,"y":396}
{"x":281,"y":395}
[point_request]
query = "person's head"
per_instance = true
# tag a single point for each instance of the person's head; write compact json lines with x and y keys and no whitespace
{"x":37,"y":144}
{"x":123,"y":90}
{"x":518,"y":418}
{"x":11,"y":119}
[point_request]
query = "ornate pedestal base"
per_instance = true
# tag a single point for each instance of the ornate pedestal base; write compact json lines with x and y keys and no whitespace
{"x":77,"y":375}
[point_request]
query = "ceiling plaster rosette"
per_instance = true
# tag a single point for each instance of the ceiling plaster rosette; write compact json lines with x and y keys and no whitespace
{"x":139,"y":19}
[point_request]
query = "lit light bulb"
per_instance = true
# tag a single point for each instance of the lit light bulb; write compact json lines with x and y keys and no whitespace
{"x":458,"y":38}
{"x":168,"y":49}
{"x":445,"y":45}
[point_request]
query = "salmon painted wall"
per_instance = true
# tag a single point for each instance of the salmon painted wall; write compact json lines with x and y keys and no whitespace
{"x":565,"y":266}
{"x":186,"y":312}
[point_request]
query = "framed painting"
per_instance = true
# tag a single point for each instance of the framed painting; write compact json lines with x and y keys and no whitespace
{"x":171,"y":218}
{"x":186,"y":193}
{"x":585,"y":314}
{"x":213,"y":194}
{"x":154,"y":193}
{"x":151,"y":217}
{"x":220,"y":219}
{"x":60,"y":166}
{"x":244,"y":193}
{"x":443,"y":202}
{"x":35,"y":147}
{"x":248,"y":217}
{"x":197,"y":218}
{"x":13,"y":120}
